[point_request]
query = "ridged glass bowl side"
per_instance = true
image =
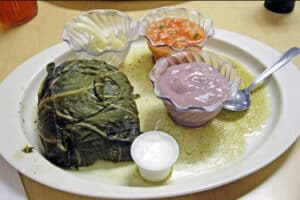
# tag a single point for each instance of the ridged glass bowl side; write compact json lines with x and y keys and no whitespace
{"x":175,"y":12}
{"x":194,"y":116}
{"x":101,"y":34}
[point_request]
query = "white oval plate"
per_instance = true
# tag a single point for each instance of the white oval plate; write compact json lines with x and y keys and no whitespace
{"x":18,"y":96}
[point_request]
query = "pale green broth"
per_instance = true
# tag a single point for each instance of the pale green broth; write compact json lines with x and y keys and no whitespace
{"x":222,"y":138}
{"x":201,"y":149}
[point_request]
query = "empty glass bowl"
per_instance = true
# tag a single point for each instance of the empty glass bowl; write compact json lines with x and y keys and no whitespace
{"x":194,"y":116}
{"x":161,"y":49}
{"x":101,"y":34}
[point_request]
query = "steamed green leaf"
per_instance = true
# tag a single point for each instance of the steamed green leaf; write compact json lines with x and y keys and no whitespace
{"x":86,"y":112}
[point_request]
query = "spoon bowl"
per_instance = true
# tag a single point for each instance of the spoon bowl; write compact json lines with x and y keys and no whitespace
{"x":242,"y":100}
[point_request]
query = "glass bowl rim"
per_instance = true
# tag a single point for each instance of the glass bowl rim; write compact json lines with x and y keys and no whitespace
{"x":126,"y":46}
{"x":209,"y":108}
{"x":194,"y":12}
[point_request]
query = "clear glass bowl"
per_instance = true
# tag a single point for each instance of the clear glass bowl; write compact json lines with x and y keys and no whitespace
{"x":159,"y":50}
{"x":101,"y":34}
{"x":194,"y":116}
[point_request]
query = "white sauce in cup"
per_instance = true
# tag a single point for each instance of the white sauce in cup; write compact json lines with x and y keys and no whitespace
{"x":154,"y":153}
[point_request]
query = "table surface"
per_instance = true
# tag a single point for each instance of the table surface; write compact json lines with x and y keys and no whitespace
{"x":278,"y":180}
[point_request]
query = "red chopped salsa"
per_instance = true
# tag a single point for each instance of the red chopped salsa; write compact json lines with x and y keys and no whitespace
{"x":176,"y":32}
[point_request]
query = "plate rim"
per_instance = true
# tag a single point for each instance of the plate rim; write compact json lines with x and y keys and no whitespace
{"x":251,"y":46}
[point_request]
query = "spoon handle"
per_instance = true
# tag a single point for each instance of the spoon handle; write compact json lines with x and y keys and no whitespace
{"x":284,"y":59}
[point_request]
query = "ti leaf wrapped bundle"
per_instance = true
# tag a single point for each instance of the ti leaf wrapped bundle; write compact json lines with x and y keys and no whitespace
{"x":86,"y":112}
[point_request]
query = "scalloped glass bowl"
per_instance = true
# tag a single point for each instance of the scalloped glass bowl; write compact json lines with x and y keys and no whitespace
{"x":159,"y":50}
{"x":194,"y":116}
{"x":101,"y":34}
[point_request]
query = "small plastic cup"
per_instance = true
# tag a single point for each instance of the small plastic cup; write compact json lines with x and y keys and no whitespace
{"x":192,"y":115}
{"x":101,"y":34}
{"x":154,"y":153}
{"x":160,"y":50}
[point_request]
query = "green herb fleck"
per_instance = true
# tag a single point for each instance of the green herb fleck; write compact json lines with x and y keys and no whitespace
{"x":136,"y":96}
{"x":27,"y":149}
{"x":195,"y":35}
{"x":162,"y":26}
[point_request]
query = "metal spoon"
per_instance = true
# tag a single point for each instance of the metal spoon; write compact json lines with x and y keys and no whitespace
{"x":242,"y":98}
